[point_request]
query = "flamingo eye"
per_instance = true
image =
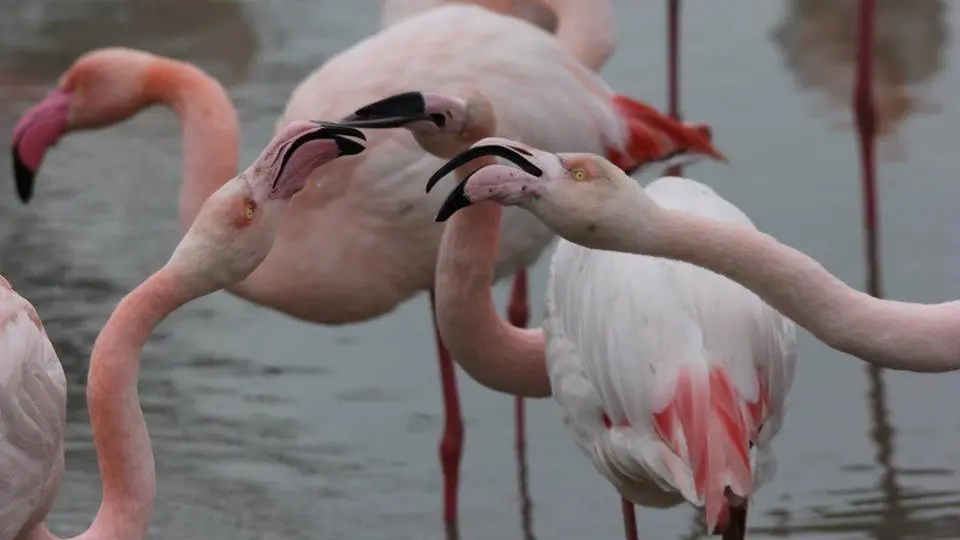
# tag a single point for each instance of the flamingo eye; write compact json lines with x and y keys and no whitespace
{"x":579,"y":174}
{"x":249,"y":210}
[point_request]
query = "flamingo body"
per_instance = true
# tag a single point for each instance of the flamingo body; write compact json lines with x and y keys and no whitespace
{"x":33,"y":416}
{"x":648,"y":357}
{"x":389,"y":254}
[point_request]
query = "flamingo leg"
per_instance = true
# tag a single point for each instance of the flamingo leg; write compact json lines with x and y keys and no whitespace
{"x":673,"y":67}
{"x":865,"y":114}
{"x":518,"y":313}
{"x":629,"y":519}
{"x":737,"y":526}
{"x":451,"y":443}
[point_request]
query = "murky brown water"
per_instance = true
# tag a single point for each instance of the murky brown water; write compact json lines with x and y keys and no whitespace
{"x":265,"y":427}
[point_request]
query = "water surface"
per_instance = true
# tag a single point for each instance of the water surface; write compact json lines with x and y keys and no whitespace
{"x":265,"y":427}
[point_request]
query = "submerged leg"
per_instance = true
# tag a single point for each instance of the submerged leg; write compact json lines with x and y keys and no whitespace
{"x":737,"y":526}
{"x":518,"y":313}
{"x":451,"y":444}
{"x":629,"y":519}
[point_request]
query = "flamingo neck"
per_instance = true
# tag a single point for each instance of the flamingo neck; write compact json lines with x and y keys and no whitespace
{"x":890,"y":334}
{"x":587,"y":29}
{"x":210,"y":128}
{"x":120,"y":433}
{"x":496,"y":354}
{"x":39,"y":532}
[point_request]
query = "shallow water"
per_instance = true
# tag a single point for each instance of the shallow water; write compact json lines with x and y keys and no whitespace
{"x":265,"y":427}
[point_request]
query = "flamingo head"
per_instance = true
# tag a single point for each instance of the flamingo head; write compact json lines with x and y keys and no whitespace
{"x":442,"y":124}
{"x":102,"y":87}
{"x":582,"y":197}
{"x":237,"y":225}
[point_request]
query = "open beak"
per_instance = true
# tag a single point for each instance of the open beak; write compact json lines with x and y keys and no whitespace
{"x":393,"y":112}
{"x":493,"y":146}
{"x":330,"y":131}
{"x":320,"y":143}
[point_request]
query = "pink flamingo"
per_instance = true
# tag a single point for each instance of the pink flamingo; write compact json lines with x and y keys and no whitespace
{"x":443,"y":125}
{"x":588,"y":31}
{"x":692,"y":410}
{"x":232,"y":233}
{"x":388,"y":255}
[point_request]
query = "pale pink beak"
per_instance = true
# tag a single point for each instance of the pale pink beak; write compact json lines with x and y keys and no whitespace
{"x":507,"y":185}
{"x":298,"y":149}
{"x":40,"y":128}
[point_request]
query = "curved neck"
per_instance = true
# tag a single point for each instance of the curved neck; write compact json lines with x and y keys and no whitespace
{"x":124,"y":453}
{"x":895,"y":335}
{"x":496,"y":354}
{"x":588,"y":29}
{"x":210,"y":128}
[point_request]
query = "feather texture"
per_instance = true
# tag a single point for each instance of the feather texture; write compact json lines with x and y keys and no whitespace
{"x":667,"y":373}
{"x":33,"y":415}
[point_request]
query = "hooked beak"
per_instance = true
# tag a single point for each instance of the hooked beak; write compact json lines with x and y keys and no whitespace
{"x":508,"y":184}
{"x":314,"y":147}
{"x":39,"y":129}
{"x":393,"y":112}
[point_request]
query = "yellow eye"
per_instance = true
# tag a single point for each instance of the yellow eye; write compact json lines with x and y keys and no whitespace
{"x":248,"y":211}
{"x":578,"y":174}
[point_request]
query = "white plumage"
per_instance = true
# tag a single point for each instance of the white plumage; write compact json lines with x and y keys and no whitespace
{"x":33,"y":416}
{"x":620,"y":326}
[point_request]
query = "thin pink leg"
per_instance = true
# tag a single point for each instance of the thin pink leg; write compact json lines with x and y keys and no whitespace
{"x":451,"y":444}
{"x":629,"y":519}
{"x":865,"y":114}
{"x":673,"y":67}
{"x":518,"y":313}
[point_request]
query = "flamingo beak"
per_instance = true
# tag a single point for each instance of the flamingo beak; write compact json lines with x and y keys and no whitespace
{"x":319,"y":143}
{"x":395,"y":111}
{"x":508,"y":184}
{"x":39,"y":129}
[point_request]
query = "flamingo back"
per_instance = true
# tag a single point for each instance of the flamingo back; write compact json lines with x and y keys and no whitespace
{"x":542,"y":96}
{"x":33,"y":411}
{"x":532,"y":11}
{"x":666,"y":371}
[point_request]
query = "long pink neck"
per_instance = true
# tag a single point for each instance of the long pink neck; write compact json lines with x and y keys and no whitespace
{"x":895,"y":335}
{"x":588,"y":29}
{"x":211,"y":130}
{"x":494,"y":353}
{"x":120,"y":433}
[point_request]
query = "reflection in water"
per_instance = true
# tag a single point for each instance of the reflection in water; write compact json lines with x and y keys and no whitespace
{"x":46,"y":36}
{"x":818,"y":40}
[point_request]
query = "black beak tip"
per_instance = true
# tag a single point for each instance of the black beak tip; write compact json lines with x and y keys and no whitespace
{"x":336,"y":129}
{"x":457,"y":200}
{"x":396,"y":105}
{"x":23,"y":178}
{"x":348,"y":147}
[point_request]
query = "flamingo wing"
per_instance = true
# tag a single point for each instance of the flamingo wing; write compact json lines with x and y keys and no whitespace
{"x":666,"y":371}
{"x":32,"y":415}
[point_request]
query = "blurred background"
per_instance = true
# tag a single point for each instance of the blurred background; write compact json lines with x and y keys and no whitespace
{"x":265,"y":427}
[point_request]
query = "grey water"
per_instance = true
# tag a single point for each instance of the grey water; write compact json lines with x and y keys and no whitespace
{"x":266,"y":428}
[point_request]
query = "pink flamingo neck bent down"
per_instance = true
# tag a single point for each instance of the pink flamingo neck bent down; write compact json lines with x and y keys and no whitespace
{"x":233,"y":232}
{"x":588,"y":201}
